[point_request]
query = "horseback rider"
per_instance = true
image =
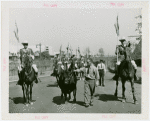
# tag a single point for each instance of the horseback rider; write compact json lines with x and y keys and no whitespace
{"x":124,"y":54}
{"x":23,"y":52}
{"x":73,"y":57}
{"x":55,"y":61}
{"x":82,"y":59}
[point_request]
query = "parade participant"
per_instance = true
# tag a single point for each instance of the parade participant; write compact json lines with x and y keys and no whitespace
{"x":55,"y":61}
{"x":102,"y":71}
{"x":91,"y":77}
{"x":72,"y":57}
{"x":29,"y":52}
{"x":82,"y":59}
{"x":123,"y":54}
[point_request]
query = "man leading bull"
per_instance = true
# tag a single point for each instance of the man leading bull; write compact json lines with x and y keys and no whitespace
{"x":91,"y":77}
{"x":26,"y":51}
{"x":123,"y":54}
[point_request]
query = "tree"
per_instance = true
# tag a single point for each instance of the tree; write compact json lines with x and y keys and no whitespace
{"x":87,"y":52}
{"x":101,"y":52}
{"x":45,"y":55}
{"x":139,"y":25}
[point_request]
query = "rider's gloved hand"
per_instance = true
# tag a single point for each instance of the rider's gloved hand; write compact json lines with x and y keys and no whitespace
{"x":32,"y":56}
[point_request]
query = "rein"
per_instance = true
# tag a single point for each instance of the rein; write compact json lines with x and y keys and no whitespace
{"x":29,"y":72}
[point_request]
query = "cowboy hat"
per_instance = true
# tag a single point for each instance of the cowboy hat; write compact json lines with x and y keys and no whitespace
{"x":25,"y":42}
{"x":122,"y":39}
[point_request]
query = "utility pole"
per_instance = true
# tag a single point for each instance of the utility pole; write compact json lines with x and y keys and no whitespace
{"x":40,"y":49}
{"x":40,"y":52}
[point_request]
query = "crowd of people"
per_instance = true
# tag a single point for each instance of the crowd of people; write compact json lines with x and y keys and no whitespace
{"x":94,"y":76}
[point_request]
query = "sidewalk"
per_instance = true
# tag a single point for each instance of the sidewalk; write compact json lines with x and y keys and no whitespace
{"x":44,"y":74}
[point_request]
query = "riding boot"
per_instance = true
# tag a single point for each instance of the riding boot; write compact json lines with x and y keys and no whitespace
{"x":36,"y":76}
{"x":116,"y":73}
{"x":53,"y":74}
{"x":135,"y":76}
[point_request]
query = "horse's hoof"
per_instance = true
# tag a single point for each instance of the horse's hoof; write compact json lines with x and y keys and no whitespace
{"x":66,"y":102}
{"x":115,"y":94}
{"x":135,"y":102}
{"x":74,"y":101}
{"x":26,"y":104}
{"x":31,"y":103}
{"x":123,"y":101}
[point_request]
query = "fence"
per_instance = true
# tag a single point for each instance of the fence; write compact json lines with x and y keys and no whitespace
{"x":42,"y":65}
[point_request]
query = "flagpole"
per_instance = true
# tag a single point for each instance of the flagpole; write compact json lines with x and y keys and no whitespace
{"x":117,"y":47}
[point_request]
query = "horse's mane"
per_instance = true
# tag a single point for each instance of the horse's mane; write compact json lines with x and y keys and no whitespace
{"x":28,"y":62}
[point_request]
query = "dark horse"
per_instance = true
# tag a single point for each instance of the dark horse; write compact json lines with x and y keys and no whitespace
{"x":126,"y":72}
{"x":57,"y":71}
{"x":67,"y":81}
{"x":28,"y":76}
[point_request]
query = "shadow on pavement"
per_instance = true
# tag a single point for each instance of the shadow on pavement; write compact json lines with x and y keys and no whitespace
{"x":57,"y":100}
{"x":18,"y":100}
{"x":77,"y":102}
{"x":52,"y":85}
{"x":106,"y":97}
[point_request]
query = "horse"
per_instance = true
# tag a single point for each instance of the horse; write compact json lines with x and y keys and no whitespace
{"x":57,"y":71}
{"x":126,"y":72}
{"x":28,"y":76}
{"x":68,"y":81}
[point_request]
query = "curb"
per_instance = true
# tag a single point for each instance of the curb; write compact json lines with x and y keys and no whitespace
{"x":39,"y":77}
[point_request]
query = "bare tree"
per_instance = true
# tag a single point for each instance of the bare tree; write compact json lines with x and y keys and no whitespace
{"x":87,"y":51}
{"x":139,"y":25}
{"x":101,"y":52}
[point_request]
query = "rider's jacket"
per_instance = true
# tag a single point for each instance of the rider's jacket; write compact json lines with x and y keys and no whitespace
{"x":23,"y":52}
{"x":123,"y":52}
{"x":55,"y":61}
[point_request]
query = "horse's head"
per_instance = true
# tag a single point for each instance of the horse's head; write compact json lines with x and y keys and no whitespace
{"x":28,"y":63}
{"x":127,"y":69}
{"x":67,"y":77}
{"x":73,"y":64}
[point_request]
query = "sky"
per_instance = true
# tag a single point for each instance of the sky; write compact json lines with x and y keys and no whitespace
{"x":93,"y":28}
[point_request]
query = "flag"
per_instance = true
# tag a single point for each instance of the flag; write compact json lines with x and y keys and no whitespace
{"x":60,"y":49}
{"x":117,"y":27}
{"x":16,"y":32}
{"x":68,"y":48}
{"x":78,"y":49}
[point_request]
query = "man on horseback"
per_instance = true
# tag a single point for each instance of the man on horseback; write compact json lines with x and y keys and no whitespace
{"x":124,"y":54}
{"x":55,"y":61}
{"x":26,"y":51}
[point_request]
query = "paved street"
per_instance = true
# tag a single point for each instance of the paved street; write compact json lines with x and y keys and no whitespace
{"x":46,"y":98}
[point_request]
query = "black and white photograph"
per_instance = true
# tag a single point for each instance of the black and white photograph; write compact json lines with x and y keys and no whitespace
{"x":75,"y":60}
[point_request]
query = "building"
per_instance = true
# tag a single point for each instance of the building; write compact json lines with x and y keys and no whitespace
{"x":13,"y":56}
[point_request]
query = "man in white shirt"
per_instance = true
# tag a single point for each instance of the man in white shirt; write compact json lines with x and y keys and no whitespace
{"x":102,"y":70}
